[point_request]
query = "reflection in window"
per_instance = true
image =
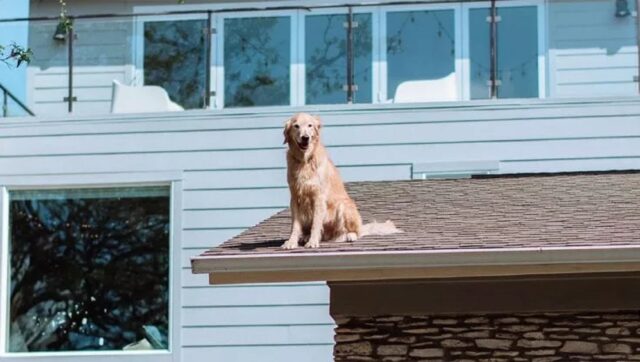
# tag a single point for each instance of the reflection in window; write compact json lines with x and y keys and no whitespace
{"x":174,"y":59}
{"x":517,"y":52}
{"x":257,"y":57}
{"x":326,"y":58}
{"x":421,"y":47}
{"x":89,"y":269}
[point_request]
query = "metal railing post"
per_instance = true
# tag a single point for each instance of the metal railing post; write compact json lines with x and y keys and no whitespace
{"x":208,"y":39}
{"x":350,"y":63}
{"x":5,"y":104}
{"x":70,"y":35}
{"x":493,"y":50}
{"x":637,"y":77}
{"x":7,"y":94}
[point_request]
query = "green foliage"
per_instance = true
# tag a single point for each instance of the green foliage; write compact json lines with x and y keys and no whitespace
{"x":175,"y":60}
{"x":65,"y":22}
{"x":15,"y":53}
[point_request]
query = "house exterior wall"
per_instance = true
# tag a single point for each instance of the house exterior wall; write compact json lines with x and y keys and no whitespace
{"x":232,"y":170}
{"x":14,"y":79}
{"x":533,"y":337}
{"x":591,"y":53}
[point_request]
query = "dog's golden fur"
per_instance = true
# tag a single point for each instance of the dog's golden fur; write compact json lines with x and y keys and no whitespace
{"x":321,"y":209}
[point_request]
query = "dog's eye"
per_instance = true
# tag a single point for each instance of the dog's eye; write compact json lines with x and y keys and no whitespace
{"x":296,"y":126}
{"x":309,"y":125}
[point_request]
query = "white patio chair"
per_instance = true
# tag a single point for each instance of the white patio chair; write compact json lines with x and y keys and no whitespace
{"x":148,"y":98}
{"x":430,"y":90}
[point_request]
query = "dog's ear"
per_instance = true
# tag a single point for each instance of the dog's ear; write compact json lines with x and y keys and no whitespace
{"x":287,"y":127}
{"x":318,"y":121}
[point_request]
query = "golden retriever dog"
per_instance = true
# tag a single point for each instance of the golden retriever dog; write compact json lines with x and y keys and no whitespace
{"x":321,"y":209}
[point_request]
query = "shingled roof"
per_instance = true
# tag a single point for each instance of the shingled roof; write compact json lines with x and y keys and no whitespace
{"x":571,"y":212}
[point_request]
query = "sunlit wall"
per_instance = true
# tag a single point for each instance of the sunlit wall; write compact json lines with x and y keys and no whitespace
{"x":12,"y":78}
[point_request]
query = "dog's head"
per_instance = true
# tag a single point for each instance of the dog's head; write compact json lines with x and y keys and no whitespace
{"x":302,"y":132}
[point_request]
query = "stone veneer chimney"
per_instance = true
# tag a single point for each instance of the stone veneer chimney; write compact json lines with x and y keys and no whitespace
{"x":539,"y":337}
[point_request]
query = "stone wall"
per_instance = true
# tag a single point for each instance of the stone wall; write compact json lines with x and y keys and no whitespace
{"x":544,"y":337}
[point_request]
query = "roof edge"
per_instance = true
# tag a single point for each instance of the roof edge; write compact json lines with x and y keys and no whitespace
{"x":329,"y":266}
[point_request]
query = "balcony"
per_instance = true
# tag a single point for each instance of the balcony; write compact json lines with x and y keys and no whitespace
{"x":228,"y":56}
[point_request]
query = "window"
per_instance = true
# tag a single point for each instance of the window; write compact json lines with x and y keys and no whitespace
{"x":421,"y":55}
{"x":174,"y":59}
{"x":517,"y":44}
{"x":401,"y":53}
{"x":89,"y":269}
{"x":326,"y":58}
{"x":257,"y":58}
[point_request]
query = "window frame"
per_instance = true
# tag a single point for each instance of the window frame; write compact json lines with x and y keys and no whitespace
{"x":459,"y":27}
{"x":542,"y":42}
{"x":172,"y":180}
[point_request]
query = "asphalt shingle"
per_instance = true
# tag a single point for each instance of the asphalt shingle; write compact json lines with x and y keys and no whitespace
{"x":546,"y":210}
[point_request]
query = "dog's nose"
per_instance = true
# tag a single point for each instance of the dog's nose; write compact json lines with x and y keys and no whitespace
{"x":305,"y":138}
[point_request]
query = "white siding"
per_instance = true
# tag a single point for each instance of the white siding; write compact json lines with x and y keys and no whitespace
{"x":591,"y":52}
{"x":232,"y":166}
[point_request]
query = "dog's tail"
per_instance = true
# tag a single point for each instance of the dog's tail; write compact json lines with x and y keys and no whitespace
{"x":379,"y":228}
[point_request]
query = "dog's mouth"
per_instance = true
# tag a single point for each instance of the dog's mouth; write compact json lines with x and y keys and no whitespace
{"x":303,"y":144}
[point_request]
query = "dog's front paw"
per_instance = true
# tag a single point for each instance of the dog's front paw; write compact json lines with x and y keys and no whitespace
{"x":290,"y":244}
{"x":313,"y":243}
{"x":351,"y":237}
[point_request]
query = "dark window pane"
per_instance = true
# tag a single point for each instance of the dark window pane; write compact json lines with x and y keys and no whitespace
{"x":363,"y":62}
{"x":480,"y":63}
{"x":517,"y":52}
{"x":174,"y":59}
{"x":89,"y":269}
{"x":257,"y":57}
{"x":421,"y":48}
{"x":326,"y":58}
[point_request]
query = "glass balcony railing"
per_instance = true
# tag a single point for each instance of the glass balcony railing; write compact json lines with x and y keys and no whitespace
{"x":11,"y":105}
{"x":293,"y":56}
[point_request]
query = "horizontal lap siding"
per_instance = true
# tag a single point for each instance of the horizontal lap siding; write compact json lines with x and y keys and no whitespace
{"x":233,"y":173}
{"x":307,"y":294}
{"x":207,"y":237}
{"x":581,"y":148}
{"x":215,"y":141}
{"x":244,"y":315}
{"x":321,"y":352}
{"x":591,"y":52}
{"x":275,"y":178}
{"x":269,"y":334}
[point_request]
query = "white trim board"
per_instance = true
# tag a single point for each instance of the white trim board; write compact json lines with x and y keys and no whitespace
{"x":379,"y":265}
